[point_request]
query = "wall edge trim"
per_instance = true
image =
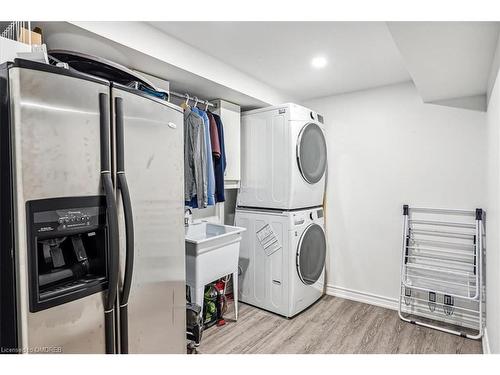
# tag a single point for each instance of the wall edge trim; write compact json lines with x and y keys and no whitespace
{"x":363,"y":297}
{"x":486,"y":342}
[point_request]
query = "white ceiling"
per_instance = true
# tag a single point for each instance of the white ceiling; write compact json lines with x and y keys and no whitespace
{"x":360,"y":55}
{"x":447,"y":59}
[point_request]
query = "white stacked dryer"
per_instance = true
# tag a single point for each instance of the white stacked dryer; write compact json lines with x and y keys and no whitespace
{"x":283,"y":159}
{"x":284,"y":163}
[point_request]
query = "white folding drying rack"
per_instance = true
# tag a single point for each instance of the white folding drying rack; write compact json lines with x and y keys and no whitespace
{"x":442,"y":280}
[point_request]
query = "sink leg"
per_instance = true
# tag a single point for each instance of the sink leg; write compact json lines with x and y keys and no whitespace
{"x":235,"y":294}
{"x":197,"y":297}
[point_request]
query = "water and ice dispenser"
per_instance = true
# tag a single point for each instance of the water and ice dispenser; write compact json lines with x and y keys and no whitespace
{"x":67,"y":249}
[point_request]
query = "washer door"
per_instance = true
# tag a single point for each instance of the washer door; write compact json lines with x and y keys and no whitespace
{"x":311,"y":153}
{"x":311,"y":254}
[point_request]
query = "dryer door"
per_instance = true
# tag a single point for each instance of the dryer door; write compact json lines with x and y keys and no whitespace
{"x":311,"y":254}
{"x":311,"y":153}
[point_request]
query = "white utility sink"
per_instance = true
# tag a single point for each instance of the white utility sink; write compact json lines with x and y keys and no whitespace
{"x":205,"y":234}
{"x":212,"y":252}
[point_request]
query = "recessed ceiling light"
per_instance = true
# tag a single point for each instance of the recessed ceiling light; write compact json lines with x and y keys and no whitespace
{"x":318,"y":62}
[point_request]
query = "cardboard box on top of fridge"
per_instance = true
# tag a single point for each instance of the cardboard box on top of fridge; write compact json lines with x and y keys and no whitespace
{"x":24,"y":37}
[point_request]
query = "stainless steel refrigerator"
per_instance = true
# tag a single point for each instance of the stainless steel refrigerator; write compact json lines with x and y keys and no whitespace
{"x":91,"y":202}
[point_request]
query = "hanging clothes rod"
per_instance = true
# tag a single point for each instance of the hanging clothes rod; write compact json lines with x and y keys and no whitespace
{"x":193,"y":98}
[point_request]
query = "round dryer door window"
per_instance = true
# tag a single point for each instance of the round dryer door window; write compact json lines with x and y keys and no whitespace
{"x":311,"y":153}
{"x":311,"y":254}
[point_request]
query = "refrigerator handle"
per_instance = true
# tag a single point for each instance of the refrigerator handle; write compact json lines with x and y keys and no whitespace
{"x":129,"y":225}
{"x":112,"y":218}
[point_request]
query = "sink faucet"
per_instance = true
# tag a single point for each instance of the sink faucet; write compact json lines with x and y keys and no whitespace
{"x":188,"y":216}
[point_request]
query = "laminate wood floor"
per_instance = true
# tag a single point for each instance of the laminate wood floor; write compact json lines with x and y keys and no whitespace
{"x":331,"y":325}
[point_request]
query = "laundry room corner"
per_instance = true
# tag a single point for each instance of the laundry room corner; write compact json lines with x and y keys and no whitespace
{"x":403,"y":152}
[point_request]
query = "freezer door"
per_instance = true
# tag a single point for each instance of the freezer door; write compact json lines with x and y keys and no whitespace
{"x":55,"y":153}
{"x":154,"y":170}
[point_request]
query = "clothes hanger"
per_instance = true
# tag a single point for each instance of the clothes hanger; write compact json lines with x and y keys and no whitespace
{"x":196,"y":102}
{"x":185,"y":104}
{"x":206,"y":105}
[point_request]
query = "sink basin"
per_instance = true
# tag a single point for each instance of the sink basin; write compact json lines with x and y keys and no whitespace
{"x":212,"y":252}
{"x":203,"y":232}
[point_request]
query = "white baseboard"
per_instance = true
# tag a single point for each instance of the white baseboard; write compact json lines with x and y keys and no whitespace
{"x":486,"y":342}
{"x":364,"y":297}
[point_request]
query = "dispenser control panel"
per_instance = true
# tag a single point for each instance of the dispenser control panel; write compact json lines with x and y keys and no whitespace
{"x":77,"y":217}
{"x":67,"y":219}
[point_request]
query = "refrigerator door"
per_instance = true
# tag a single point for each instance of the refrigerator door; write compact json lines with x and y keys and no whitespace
{"x":154,"y":170}
{"x":56,"y":153}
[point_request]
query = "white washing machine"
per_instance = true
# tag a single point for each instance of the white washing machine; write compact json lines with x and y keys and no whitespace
{"x":282,"y":259}
{"x":283,"y":158}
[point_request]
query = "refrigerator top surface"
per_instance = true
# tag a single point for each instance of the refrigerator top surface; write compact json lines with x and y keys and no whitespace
{"x":34,"y":65}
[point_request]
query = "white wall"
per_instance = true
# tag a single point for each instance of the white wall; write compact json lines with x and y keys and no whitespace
{"x":387,"y":148}
{"x":493,"y":221}
{"x":10,"y":48}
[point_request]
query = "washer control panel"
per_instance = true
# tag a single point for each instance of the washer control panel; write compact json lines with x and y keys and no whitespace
{"x":303,"y":217}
